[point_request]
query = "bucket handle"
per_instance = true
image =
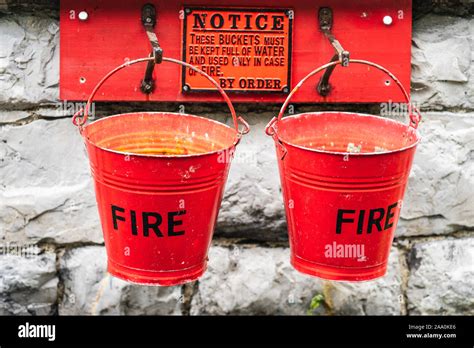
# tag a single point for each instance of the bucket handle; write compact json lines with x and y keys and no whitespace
{"x":414,"y":113}
{"x":79,"y":121}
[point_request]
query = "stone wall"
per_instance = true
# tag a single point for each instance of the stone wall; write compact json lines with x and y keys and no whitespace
{"x":47,"y":202}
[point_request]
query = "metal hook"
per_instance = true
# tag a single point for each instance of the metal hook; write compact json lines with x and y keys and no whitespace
{"x":149,"y":21}
{"x":325,"y":17}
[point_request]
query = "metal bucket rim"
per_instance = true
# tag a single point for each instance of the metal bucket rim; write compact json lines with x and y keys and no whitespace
{"x":338,"y":153}
{"x":234,"y":144}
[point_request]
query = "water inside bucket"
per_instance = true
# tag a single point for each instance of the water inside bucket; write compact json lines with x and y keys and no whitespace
{"x":158,"y":134}
{"x":154,"y":144}
{"x":346,"y":133}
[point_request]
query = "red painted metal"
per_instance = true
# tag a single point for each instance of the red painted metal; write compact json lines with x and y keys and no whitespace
{"x":113,"y":33}
{"x":159,"y":180}
{"x":343,"y":177}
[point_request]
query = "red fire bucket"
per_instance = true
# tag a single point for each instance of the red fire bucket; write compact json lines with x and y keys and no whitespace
{"x":159,"y":180}
{"x":343,"y":177}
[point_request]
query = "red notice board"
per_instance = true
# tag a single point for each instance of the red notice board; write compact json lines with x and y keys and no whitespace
{"x":257,"y":50}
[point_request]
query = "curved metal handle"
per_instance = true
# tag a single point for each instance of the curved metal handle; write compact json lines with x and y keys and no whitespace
{"x":81,"y":121}
{"x":415,"y":116}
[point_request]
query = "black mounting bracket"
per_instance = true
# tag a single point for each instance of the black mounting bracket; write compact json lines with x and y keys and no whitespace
{"x":325,"y":19}
{"x":149,"y":22}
